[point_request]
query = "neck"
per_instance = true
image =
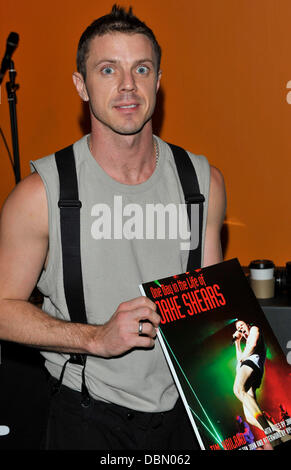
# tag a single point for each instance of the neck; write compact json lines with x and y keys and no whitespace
{"x":129,"y":159}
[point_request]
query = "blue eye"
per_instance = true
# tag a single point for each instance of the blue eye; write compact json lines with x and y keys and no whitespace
{"x":107,"y":70}
{"x":142,"y":69}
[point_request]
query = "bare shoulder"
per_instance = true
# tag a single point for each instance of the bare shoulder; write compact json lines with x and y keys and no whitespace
{"x":30,"y":186}
{"x":216,"y":179}
{"x":217,"y":194}
{"x":23,"y":238}
{"x":254,"y":330}
{"x":26,"y":205}
{"x":215,"y":218}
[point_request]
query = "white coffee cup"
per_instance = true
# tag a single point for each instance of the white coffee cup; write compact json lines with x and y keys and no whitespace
{"x":262,"y":278}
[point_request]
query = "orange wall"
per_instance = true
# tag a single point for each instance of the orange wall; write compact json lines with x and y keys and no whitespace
{"x":226,"y":65}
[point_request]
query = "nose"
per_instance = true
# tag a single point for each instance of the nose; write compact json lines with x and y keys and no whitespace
{"x":127,"y":82}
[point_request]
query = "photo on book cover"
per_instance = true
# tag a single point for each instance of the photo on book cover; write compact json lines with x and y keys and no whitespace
{"x":227,"y":363}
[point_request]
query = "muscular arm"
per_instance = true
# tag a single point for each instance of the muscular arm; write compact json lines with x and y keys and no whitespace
{"x":238,"y":349}
{"x":23,"y":251}
{"x":251,"y":343}
{"x":215,"y":218}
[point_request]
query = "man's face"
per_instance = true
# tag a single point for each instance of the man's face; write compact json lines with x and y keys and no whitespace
{"x":121,"y":82}
{"x":243,"y":328}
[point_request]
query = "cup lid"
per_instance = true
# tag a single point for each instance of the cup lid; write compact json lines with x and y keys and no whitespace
{"x":261,"y":264}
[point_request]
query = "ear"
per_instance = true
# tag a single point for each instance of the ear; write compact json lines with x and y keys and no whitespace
{"x":80,"y":86}
{"x":158,"y":81}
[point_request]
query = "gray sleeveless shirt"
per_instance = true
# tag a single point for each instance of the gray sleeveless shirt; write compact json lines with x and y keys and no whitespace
{"x":122,"y":245}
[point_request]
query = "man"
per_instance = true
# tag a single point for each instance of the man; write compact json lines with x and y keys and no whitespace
{"x":133,"y":400}
{"x":250,"y":371}
{"x":249,"y":375}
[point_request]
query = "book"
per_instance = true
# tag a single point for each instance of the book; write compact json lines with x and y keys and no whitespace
{"x":207,"y":316}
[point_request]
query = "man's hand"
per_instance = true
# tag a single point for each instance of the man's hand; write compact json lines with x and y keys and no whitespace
{"x":121,"y":333}
{"x":237,"y":336}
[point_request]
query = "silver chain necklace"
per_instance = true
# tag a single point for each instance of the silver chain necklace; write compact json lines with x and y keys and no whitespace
{"x":156,"y":151}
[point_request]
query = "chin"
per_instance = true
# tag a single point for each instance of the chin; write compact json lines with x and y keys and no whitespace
{"x":129,"y":130}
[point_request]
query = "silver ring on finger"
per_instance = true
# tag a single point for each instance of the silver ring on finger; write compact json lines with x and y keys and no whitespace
{"x":140,"y":326}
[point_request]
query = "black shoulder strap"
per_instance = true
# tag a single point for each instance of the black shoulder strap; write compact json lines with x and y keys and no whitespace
{"x":70,"y":207}
{"x":190,"y":185}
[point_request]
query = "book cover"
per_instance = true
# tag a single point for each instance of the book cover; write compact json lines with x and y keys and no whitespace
{"x":227,"y":363}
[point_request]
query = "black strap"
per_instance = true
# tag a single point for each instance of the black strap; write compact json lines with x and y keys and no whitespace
{"x":190,"y":185}
{"x":70,"y":207}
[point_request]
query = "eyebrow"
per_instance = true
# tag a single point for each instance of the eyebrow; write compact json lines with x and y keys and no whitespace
{"x":114,"y":61}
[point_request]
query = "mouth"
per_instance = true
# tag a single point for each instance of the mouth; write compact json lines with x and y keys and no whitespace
{"x":127,"y":107}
